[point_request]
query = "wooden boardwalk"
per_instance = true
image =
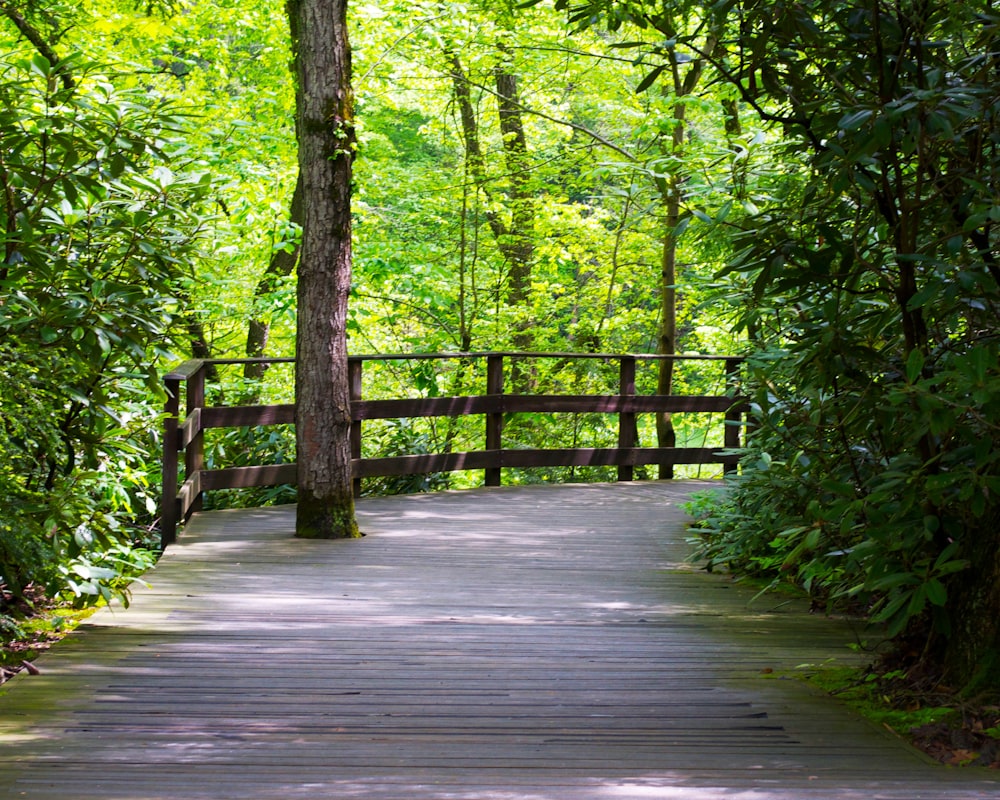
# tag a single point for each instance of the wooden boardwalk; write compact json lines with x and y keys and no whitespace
{"x":538,"y":643}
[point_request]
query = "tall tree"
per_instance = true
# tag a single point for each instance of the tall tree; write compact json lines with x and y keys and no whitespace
{"x":684,"y":72}
{"x":520,"y":245}
{"x":326,"y":138}
{"x":516,"y":238}
{"x":894,"y":105}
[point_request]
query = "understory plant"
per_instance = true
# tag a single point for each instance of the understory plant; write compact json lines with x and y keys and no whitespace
{"x":833,"y":495}
{"x":101,"y":219}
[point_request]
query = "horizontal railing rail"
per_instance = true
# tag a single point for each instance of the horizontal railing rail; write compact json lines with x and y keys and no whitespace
{"x":183,"y":495}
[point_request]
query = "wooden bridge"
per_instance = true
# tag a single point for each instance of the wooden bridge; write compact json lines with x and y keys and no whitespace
{"x":505,"y":643}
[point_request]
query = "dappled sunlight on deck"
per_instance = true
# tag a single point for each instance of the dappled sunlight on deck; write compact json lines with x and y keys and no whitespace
{"x":509,"y":643}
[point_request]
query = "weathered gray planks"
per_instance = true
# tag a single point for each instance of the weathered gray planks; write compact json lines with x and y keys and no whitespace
{"x":539,"y":643}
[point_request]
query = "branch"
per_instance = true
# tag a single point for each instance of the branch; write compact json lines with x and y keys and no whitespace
{"x":581,"y":128}
{"x":29,"y":32}
{"x":420,"y":309}
{"x":385,"y":54}
{"x":474,"y":160}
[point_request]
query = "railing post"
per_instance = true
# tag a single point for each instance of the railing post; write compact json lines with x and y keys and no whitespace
{"x":168,"y":500}
{"x":194,"y":455}
{"x":494,"y":421}
{"x":626,"y":421}
{"x":355,"y":368}
{"x":733,"y":418}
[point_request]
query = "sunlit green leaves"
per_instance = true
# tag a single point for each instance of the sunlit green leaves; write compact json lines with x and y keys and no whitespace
{"x":102,"y":216}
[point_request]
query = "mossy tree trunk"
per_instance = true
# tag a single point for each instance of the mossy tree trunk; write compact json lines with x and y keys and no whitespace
{"x":519,"y":244}
{"x":326,"y":139}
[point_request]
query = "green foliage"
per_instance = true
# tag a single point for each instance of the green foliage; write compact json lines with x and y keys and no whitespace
{"x":397,"y":438}
{"x":869,"y":284}
{"x":105,"y":574}
{"x":99,"y":220}
{"x":111,"y":249}
{"x":241,"y":447}
{"x":832,"y":494}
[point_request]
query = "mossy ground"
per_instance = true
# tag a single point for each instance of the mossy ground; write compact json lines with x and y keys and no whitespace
{"x":29,"y":627}
{"x":951,"y":727}
{"x":959,"y":727}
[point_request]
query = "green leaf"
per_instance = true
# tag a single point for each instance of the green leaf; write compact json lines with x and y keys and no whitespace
{"x":936,"y":592}
{"x":48,"y":334}
{"x":92,"y":573}
{"x":914,"y":365}
{"x":40,"y":65}
{"x":650,"y":79}
{"x":918,"y":601}
{"x":855,"y":119}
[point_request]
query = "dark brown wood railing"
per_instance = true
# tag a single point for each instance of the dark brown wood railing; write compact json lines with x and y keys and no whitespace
{"x":182,"y":497}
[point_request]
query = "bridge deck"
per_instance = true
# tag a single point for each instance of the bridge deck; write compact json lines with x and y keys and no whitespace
{"x":535,"y":643}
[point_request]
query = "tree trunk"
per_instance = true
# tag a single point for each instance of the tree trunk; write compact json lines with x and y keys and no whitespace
{"x":200,"y":347}
{"x":280,"y":266}
{"x":666,"y":340}
{"x":519,"y":248}
{"x":516,"y":241}
{"x":520,"y":245}
{"x":326,"y":138}
{"x":972,"y":653}
{"x":41,"y":44}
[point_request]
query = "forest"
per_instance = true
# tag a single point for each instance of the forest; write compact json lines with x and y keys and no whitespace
{"x":812,"y":185}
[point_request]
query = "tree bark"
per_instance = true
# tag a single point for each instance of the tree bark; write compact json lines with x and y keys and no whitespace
{"x":670,"y":194}
{"x":200,"y":348}
{"x":326,"y":138}
{"x":516,"y":241}
{"x":666,"y":340}
{"x":39,"y":42}
{"x":972,"y":652}
{"x":520,"y":246}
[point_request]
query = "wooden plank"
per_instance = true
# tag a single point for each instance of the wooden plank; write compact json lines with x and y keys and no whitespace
{"x":519,"y":404}
{"x":190,"y":428}
{"x":185,"y":370}
{"x":615,"y":404}
{"x":627,"y":430}
{"x":485,"y":354}
{"x":355,"y":372}
{"x":528,"y":458}
{"x":426,"y":407}
{"x":237,"y":361}
{"x":170,"y":514}
{"x":426,"y":464}
{"x":238,"y":416}
{"x":243,"y":477}
{"x":189,"y":492}
{"x":542,"y":642}
{"x":611,"y":456}
{"x":493,"y":475}
{"x":194,"y":447}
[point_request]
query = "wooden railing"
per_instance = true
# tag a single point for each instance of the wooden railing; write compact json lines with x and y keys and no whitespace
{"x":186,"y":435}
